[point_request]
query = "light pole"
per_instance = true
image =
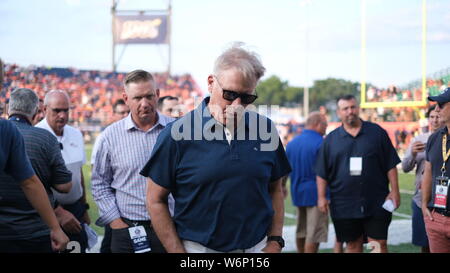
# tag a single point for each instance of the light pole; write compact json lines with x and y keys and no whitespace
{"x":305,"y":4}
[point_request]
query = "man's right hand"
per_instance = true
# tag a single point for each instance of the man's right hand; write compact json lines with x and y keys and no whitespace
{"x":118,"y":224}
{"x":323,"y":204}
{"x":68,"y":221}
{"x":426,"y":212}
{"x":59,"y":239}
{"x":417,"y":147}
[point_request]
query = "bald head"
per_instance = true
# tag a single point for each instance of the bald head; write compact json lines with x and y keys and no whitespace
{"x":317,"y":122}
{"x":56,"y":107}
{"x":56,"y":95}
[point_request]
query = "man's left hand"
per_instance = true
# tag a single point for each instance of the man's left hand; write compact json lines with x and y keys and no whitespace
{"x":272,"y":247}
{"x":395,"y":197}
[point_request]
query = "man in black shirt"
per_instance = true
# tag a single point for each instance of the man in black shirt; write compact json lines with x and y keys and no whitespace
{"x":358,"y":162}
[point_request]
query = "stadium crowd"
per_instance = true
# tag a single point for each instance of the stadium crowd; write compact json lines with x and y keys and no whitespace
{"x":92,"y":93}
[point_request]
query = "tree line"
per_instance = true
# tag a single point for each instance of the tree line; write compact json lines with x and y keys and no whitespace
{"x":274,"y":91}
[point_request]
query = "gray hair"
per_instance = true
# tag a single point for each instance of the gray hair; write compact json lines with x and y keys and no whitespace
{"x":23,"y":101}
{"x":50,"y":94}
{"x":245,"y":61}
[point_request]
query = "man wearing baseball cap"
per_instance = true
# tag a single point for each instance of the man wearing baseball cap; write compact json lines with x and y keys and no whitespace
{"x":435,"y":203}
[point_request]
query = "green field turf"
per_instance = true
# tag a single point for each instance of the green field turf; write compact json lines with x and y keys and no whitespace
{"x":406,"y":182}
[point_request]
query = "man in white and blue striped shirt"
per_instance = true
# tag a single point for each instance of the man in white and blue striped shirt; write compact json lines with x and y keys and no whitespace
{"x":124,"y":148}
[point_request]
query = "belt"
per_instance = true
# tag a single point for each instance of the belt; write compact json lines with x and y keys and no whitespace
{"x":443,"y":212}
{"x":137,"y":223}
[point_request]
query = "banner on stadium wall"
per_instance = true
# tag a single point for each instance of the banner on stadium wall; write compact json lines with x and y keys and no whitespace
{"x":140,"y":29}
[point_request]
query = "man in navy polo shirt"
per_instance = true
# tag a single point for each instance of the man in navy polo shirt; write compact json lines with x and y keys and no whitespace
{"x":358,"y":162}
{"x":435,"y":182}
{"x":223,"y":171}
{"x":21,"y":228}
{"x":312,"y":224}
{"x":14,"y":162}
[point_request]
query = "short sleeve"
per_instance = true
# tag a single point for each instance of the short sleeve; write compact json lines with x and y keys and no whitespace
{"x":430,"y":144}
{"x":321,"y":166}
{"x":390,"y":156}
{"x":18,"y":164}
{"x":162,"y":165}
{"x":282,"y":166}
{"x":60,"y":173}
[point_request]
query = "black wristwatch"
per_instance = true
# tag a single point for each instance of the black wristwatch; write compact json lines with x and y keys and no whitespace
{"x":277,"y":239}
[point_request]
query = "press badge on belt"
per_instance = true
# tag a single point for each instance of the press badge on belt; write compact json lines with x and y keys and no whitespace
{"x":139,"y":239}
{"x":440,"y":199}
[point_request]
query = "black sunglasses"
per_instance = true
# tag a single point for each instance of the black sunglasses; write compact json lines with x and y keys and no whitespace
{"x":232,"y":95}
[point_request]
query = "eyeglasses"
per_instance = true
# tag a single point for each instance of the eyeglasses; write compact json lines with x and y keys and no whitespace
{"x":59,"y":110}
{"x":232,"y":95}
{"x":123,"y":113}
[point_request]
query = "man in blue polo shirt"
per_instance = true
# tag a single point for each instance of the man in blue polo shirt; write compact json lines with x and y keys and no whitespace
{"x":224,"y":173}
{"x":21,"y":228}
{"x":312,"y":224}
{"x":358,"y":162}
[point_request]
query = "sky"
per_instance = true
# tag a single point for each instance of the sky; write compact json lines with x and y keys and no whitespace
{"x":299,"y":41}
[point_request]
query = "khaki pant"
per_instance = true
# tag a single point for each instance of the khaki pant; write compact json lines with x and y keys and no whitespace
{"x":312,"y":224}
{"x":194,"y":247}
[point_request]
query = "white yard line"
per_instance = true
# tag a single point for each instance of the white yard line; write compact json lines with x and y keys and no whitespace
{"x":406,"y":191}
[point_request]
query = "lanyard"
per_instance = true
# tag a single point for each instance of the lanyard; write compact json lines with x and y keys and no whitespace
{"x":445,"y":153}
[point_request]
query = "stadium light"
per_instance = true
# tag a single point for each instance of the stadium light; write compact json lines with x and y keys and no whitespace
{"x":305,"y":4}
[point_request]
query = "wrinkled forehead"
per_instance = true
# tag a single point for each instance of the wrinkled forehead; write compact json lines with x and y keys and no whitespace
{"x":236,"y":80}
{"x":343,"y":104}
{"x":58,"y":100}
{"x":433,"y":114}
{"x":170,"y":103}
{"x":121,"y":108}
{"x":141,"y":88}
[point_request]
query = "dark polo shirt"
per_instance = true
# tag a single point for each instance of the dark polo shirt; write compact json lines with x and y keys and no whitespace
{"x":360,"y":196}
{"x":13,"y":158}
{"x":434,"y":156}
{"x":19,"y":220}
{"x":221,"y":190}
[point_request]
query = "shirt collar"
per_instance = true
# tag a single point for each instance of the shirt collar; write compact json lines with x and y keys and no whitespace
{"x":344,"y":133}
{"x":311,"y":132}
{"x":162,"y":121}
{"x":44,"y":124}
{"x":20,"y":118}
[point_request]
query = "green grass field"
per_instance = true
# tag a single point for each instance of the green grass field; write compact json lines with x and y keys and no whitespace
{"x":406,"y":182}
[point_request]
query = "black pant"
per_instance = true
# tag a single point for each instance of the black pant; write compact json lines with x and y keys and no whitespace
{"x":78,"y":209}
{"x":121,"y":240}
{"x":37,"y":245}
{"x":106,"y":242}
